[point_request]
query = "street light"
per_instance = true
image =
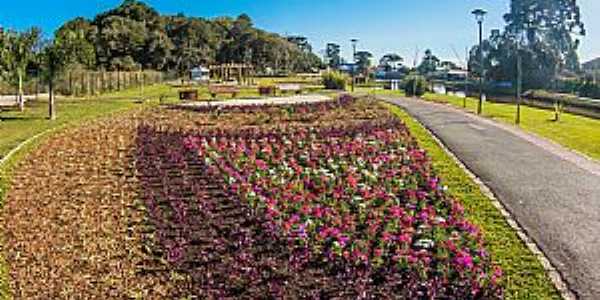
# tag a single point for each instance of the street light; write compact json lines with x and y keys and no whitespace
{"x":479,"y":16}
{"x":354,"y":42}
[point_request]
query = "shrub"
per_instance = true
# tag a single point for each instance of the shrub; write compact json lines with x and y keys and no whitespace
{"x":335,"y":80}
{"x":415,"y":86}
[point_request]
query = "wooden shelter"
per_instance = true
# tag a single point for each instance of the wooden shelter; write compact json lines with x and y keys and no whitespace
{"x":242,"y":73}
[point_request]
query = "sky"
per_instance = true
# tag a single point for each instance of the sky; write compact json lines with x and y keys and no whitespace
{"x":381,"y":26}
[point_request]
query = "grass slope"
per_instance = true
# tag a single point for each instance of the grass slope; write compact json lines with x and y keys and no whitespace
{"x":524,"y":275}
{"x":572,"y":131}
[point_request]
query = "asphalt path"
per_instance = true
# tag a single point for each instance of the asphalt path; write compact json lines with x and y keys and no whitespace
{"x":553,"y":193}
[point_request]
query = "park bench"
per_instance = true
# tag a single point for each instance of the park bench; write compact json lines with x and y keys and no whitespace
{"x":290,"y":87}
{"x":215,"y":90}
{"x":268,"y":90}
{"x":190,"y":94}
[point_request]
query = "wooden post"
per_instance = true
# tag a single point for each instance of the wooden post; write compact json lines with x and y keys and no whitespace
{"x":71,"y":83}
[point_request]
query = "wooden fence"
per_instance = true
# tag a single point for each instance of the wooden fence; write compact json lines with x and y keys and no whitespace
{"x":84,"y":83}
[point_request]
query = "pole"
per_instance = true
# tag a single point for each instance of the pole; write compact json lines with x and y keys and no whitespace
{"x":519,"y":83}
{"x":466,"y":77}
{"x":480,"y":104}
{"x":354,"y":67}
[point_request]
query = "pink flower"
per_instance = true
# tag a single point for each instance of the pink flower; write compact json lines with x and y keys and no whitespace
{"x":352,"y":182}
{"x":464,"y":260}
{"x":261,"y":165}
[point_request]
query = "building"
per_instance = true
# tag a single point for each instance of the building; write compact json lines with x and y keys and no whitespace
{"x":200,"y":74}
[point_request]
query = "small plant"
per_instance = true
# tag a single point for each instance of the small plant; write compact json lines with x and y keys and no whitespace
{"x":415,"y":86}
{"x":334,"y":80}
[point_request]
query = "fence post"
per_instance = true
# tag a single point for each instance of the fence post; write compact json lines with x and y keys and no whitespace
{"x":71,"y":83}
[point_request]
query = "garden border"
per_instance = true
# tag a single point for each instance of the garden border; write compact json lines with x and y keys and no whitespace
{"x":555,"y":276}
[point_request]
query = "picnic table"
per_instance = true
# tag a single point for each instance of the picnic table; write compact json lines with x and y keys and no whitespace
{"x":215,"y":90}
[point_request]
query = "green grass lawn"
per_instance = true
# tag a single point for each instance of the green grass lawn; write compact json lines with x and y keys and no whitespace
{"x":524,"y":276}
{"x":572,"y":131}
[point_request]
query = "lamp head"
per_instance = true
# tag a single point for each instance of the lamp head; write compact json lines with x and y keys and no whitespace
{"x":479,"y":14}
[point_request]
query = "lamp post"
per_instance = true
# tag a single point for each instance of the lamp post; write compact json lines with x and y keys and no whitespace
{"x":479,"y":16}
{"x":354,"y":42}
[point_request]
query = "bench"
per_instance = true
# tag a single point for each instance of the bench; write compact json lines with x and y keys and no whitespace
{"x":191,"y":95}
{"x":290,"y":87}
{"x":215,"y":90}
{"x":268,"y":90}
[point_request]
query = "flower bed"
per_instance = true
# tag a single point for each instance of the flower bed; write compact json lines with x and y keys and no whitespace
{"x":357,"y":198}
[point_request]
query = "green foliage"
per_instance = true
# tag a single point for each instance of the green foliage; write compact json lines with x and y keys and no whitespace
{"x":18,"y":51}
{"x":415,"y":85}
{"x":589,"y":88}
{"x":332,"y":54}
{"x":543,"y":33}
{"x":363,"y":61}
{"x":429,"y":64}
{"x":335,"y":80}
{"x":134,"y":35}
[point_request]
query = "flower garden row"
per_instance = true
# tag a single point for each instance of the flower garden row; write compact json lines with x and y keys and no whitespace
{"x":358,"y":197}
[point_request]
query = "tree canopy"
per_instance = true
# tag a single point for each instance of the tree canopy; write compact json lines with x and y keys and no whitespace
{"x":134,"y":35}
{"x":544,"y":33}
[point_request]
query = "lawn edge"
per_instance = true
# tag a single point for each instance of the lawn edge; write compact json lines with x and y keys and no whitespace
{"x":555,"y":276}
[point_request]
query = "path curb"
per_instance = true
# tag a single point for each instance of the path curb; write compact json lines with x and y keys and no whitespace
{"x":555,"y":276}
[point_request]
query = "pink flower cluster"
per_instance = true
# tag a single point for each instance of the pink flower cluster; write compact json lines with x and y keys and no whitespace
{"x":362,"y":196}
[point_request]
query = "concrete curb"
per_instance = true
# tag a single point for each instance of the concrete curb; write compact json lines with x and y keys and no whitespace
{"x":555,"y":276}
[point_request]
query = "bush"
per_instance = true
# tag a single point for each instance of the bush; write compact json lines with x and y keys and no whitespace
{"x":335,"y":80}
{"x":415,"y":86}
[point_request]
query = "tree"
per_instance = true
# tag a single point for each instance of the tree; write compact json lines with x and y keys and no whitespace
{"x":363,"y":61}
{"x":391,"y":61}
{"x":77,"y":39}
{"x":56,"y":57}
{"x":332,"y":55}
{"x":429,"y":64}
{"x":301,"y":42}
{"x":20,"y":51}
{"x":544,"y":33}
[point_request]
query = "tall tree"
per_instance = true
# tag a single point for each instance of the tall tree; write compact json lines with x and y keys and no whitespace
{"x":363,"y":61}
{"x":56,"y":57}
{"x":19,"y":54}
{"x":332,"y":55}
{"x":547,"y":33}
{"x":391,"y":61}
{"x":77,"y":39}
{"x":429,"y":63}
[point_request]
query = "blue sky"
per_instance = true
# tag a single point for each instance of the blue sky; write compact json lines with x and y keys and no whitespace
{"x":382,"y":26}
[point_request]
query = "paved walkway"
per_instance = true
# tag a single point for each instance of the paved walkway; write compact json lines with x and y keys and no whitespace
{"x":552,"y":192}
{"x":261,"y":101}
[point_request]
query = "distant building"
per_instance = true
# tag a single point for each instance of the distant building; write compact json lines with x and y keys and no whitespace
{"x":348,"y":68}
{"x":200,"y":74}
